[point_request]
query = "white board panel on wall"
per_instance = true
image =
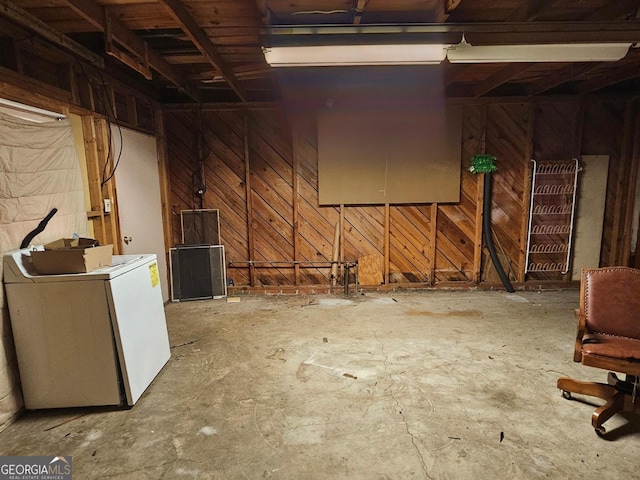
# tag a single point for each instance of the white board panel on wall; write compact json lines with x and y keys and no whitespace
{"x":592,"y":194}
{"x":378,"y":155}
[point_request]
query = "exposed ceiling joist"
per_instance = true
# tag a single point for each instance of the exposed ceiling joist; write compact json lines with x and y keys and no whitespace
{"x":614,"y":10}
{"x":500,"y":77}
{"x":95,"y":14}
{"x":451,"y":5}
{"x":357,"y":16}
{"x":28,"y":21}
{"x":549,"y":32}
{"x":567,"y":74}
{"x":441,"y":11}
{"x":200,"y":39}
{"x":530,"y":9}
{"x":454,"y":73}
{"x":612,"y":76}
{"x":214,"y":46}
{"x":140,"y":65}
{"x":263,"y":10}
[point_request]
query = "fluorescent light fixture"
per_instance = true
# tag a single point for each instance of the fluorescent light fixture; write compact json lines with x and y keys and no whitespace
{"x":571,"y":52}
{"x":339,"y":55}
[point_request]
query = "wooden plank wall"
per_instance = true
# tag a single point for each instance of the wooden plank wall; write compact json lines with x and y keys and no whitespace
{"x":508,"y":137}
{"x":261,"y":173}
{"x":606,"y":132}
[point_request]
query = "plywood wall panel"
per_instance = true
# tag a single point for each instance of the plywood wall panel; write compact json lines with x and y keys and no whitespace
{"x":603,"y":135}
{"x":454,"y":249}
{"x":180,"y":165}
{"x":555,"y":126}
{"x":225,"y":139}
{"x":270,"y":131}
{"x":363,"y":233}
{"x":223,"y":149}
{"x":267,"y":206}
{"x":270,"y":164}
{"x":409,"y":227}
{"x":288,"y":223}
{"x":316,"y":225}
{"x":473,"y":142}
{"x":271,"y":246}
{"x":507,"y":139}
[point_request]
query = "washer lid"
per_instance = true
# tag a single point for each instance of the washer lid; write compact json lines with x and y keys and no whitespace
{"x":19,"y":269}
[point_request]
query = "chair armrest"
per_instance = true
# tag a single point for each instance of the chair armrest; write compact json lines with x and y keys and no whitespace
{"x":582,"y":326}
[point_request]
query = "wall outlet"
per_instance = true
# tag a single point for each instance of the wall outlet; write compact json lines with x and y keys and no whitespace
{"x":107,"y":205}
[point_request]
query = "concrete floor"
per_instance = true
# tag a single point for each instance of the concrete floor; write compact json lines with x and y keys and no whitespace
{"x":402,"y":385}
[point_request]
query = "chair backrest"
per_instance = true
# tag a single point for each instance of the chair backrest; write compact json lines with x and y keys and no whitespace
{"x":610,"y":300}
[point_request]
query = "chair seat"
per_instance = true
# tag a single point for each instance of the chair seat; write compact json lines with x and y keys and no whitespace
{"x":622,"y":348}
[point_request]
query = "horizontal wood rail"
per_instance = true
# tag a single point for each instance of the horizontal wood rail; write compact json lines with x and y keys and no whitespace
{"x":308,"y":263}
{"x":347,"y":264}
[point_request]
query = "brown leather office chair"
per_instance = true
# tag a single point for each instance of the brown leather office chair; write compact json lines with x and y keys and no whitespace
{"x":608,"y":338}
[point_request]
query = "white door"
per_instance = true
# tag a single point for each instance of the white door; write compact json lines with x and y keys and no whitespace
{"x":139,"y":201}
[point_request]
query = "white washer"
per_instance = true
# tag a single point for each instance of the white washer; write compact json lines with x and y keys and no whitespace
{"x":97,"y":338}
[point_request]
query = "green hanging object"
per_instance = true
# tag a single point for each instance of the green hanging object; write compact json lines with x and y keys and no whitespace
{"x":483,"y":163}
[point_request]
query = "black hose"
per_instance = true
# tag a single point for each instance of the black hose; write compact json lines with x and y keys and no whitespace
{"x":487,"y":232}
{"x":41,"y":226}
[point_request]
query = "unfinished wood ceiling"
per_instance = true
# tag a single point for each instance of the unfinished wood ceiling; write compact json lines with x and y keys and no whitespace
{"x":210,"y":50}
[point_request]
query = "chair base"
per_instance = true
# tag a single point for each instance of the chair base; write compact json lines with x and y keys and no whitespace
{"x":618,"y":394}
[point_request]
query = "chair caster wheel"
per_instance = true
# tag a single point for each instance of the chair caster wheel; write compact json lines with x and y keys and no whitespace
{"x":566,"y":394}
{"x":600,"y":431}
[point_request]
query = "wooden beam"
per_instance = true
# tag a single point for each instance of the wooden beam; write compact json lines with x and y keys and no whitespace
{"x":107,"y":189}
{"x":95,"y":15}
{"x":612,"y":75}
{"x":387,"y":221}
{"x":530,"y":10}
{"x":345,"y":280}
{"x":358,"y":10}
{"x":526,"y":196}
{"x":477,"y":240}
{"x":451,"y":5}
{"x":510,"y":33}
{"x":618,"y":10}
{"x":202,"y":41}
{"x":628,"y":158}
{"x":500,"y":77}
{"x":29,"y":90}
{"x":576,"y":151}
{"x":441,"y":11}
{"x":453,"y":72}
{"x":263,"y":11}
{"x":564,"y":75}
{"x":218,"y":107}
{"x":165,"y":182}
{"x":15,"y":14}
{"x":433,"y":232}
{"x":617,"y":230}
{"x":140,"y":65}
{"x":335,"y":255}
{"x":247,"y":183}
{"x":93,"y":177}
{"x":295,"y":205}
{"x":636,"y":158}
{"x":608,"y":79}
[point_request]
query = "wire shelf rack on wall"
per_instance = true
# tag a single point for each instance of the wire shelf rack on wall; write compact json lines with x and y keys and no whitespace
{"x":551,"y":216}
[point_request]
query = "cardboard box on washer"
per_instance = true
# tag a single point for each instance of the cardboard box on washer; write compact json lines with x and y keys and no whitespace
{"x":71,"y":255}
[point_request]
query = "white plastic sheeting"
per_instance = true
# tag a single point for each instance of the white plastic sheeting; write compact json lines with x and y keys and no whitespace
{"x":39,"y":171}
